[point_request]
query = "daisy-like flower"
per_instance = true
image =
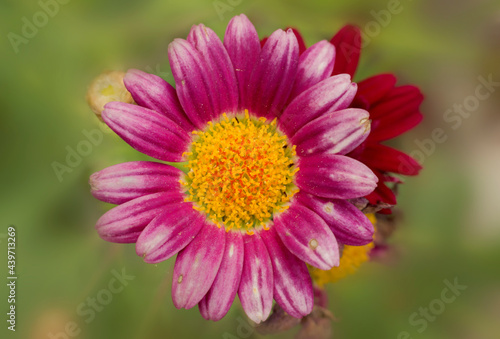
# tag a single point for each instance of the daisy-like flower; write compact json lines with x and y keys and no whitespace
{"x":261,"y":134}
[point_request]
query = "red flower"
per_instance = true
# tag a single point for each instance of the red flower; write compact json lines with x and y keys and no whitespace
{"x":393,"y":109}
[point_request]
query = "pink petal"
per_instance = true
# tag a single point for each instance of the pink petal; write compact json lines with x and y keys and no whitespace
{"x":349,"y":225}
{"x":219,"y":298}
{"x":124,"y":223}
{"x":315,"y":65}
{"x":333,"y":133}
{"x":220,"y":67}
{"x":300,"y":40}
{"x":147,"y":131}
{"x":151,"y":91}
{"x":256,"y":286}
{"x":194,"y":84}
{"x":307,"y":236}
{"x":169,"y":232}
{"x":273,"y":75}
{"x":335,"y":176}
{"x":330,"y":95}
{"x":243,"y":46}
{"x":293,"y":288}
{"x":197,"y":265}
{"x":123,"y":182}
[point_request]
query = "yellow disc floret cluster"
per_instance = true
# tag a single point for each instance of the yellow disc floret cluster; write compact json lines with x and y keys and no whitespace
{"x":352,"y":258}
{"x":240,"y":172}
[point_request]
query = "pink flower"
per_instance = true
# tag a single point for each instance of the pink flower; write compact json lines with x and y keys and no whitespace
{"x":263,"y":134}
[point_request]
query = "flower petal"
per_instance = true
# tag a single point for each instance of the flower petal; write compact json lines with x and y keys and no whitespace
{"x":396,"y":113}
{"x":263,"y":41}
{"x":243,"y":46}
{"x":387,"y":159}
{"x":293,"y":288}
{"x":315,"y":65}
{"x":347,"y":43}
{"x":273,"y":75}
{"x":404,"y":97}
{"x":307,"y":236}
{"x":151,"y":91}
{"x":194,"y":85}
{"x":329,"y":95}
{"x":256,"y":286}
{"x":219,"y":298}
{"x":169,"y":232}
{"x":335,"y":176}
{"x":300,"y":40}
{"x":389,"y":127}
{"x":382,"y":193}
{"x":123,"y":182}
{"x":147,"y":131}
{"x":333,"y":133}
{"x":376,"y":87}
{"x":124,"y":223}
{"x":349,"y":225}
{"x":220,"y":67}
{"x":197,"y":265}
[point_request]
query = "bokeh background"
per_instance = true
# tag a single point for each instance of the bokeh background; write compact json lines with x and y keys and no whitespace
{"x":451,"y":213}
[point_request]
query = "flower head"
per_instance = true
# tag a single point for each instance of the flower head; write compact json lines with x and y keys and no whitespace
{"x":262,"y":135}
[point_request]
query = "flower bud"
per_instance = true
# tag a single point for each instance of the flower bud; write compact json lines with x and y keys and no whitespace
{"x":107,"y":87}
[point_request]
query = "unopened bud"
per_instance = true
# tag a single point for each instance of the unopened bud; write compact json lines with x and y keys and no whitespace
{"x":107,"y":87}
{"x":317,"y":325}
{"x":279,"y":321}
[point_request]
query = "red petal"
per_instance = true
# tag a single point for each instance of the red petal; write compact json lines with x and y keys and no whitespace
{"x":387,"y":159}
{"x":385,"y":211}
{"x":398,"y":98}
{"x":382,"y":193}
{"x":393,"y":126}
{"x":396,"y":113}
{"x":348,"y":44}
{"x":263,"y":41}
{"x":376,"y":87}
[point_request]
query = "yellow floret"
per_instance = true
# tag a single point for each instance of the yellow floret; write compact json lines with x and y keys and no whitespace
{"x":241,"y":172}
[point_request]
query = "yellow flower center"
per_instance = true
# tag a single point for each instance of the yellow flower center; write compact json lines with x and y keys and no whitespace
{"x":241,"y":172}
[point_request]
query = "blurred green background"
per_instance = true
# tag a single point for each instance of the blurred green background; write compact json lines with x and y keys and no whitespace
{"x":451,"y":223}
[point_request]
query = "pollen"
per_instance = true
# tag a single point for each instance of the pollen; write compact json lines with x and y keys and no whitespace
{"x":240,"y":172}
